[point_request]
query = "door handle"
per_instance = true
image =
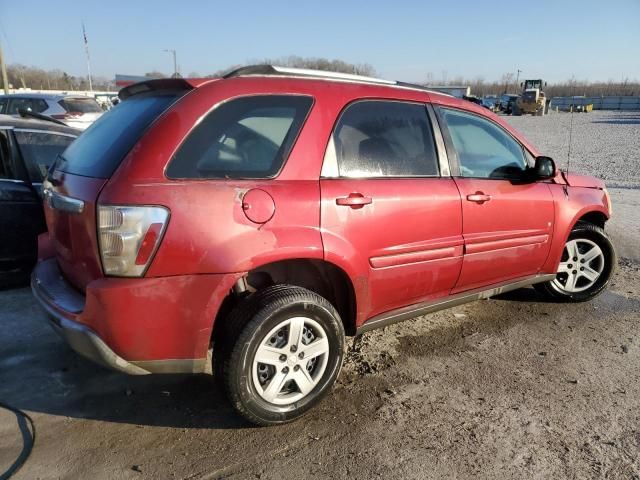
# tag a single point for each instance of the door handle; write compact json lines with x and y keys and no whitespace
{"x":479,"y":197}
{"x":354,"y":200}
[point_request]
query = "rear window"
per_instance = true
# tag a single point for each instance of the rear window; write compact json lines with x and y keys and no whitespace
{"x":103,"y":146}
{"x":80,"y":105}
{"x":248,"y":137}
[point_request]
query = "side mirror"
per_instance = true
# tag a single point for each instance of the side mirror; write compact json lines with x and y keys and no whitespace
{"x":544,"y":169}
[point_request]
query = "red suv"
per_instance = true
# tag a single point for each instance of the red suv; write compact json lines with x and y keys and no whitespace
{"x":255,"y":220}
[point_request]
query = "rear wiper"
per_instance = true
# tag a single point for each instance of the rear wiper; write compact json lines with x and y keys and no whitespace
{"x":29,"y":114}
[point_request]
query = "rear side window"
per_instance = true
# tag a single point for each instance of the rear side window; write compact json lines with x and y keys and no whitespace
{"x":248,"y":137}
{"x":37,"y":105}
{"x":80,"y":105}
{"x":3,"y":105}
{"x":385,"y":139}
{"x":40,"y":150}
{"x":103,"y":146}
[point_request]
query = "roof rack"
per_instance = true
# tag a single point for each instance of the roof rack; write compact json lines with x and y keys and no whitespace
{"x":266,"y":70}
{"x":302,"y":72}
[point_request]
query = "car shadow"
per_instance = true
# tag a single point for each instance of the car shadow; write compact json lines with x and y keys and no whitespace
{"x":529,"y":295}
{"x":40,"y":373}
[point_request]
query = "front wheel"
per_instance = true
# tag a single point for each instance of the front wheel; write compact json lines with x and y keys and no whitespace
{"x":287,"y":355}
{"x":587,"y":264}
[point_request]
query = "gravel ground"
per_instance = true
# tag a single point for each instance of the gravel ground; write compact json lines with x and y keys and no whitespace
{"x":508,"y":388}
{"x":605,"y":144}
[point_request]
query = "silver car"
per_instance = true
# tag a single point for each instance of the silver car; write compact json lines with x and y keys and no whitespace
{"x":74,"y":110}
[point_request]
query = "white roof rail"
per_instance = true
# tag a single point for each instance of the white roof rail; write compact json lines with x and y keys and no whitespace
{"x":303,"y":72}
{"x":328,"y":74}
{"x":266,"y":70}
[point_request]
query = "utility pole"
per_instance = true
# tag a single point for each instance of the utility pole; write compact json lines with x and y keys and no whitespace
{"x":518,"y":78}
{"x":175,"y":63}
{"x":86,"y":49}
{"x":3,"y":67}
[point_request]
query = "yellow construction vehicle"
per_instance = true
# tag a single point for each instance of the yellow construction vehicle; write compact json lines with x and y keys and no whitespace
{"x":532,"y":99}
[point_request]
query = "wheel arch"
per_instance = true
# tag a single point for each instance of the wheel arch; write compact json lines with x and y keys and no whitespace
{"x":320,"y":276}
{"x":595,"y":217}
{"x":590,"y":210}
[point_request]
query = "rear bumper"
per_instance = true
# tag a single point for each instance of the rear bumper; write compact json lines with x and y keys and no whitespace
{"x":60,"y":301}
{"x":135,"y":326}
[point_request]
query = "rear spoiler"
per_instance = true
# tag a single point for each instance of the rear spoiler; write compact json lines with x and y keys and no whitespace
{"x":158,"y":84}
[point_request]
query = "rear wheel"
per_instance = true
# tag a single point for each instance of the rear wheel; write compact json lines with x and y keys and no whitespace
{"x":286,"y":356}
{"x":586,"y":266}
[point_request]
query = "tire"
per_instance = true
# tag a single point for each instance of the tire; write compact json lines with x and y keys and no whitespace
{"x":261,"y":327}
{"x":585,"y":236}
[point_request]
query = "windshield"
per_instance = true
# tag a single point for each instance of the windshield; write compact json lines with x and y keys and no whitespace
{"x":103,"y":146}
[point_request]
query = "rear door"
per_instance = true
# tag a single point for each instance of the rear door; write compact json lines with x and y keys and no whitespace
{"x":507,"y":221}
{"x":387,"y":213}
{"x":21,"y":217}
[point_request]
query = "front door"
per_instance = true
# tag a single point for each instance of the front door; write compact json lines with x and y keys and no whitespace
{"x":507,"y":221}
{"x":387,"y":216}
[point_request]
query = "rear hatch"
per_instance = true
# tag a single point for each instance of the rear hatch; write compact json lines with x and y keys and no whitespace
{"x":79,"y":174}
{"x":80,"y":111}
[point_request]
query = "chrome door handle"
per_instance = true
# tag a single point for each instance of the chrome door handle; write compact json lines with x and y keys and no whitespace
{"x":354,"y":200}
{"x":478,"y":197}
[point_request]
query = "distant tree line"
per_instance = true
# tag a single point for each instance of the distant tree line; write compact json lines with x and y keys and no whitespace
{"x":508,"y":84}
{"x":21,"y":76}
{"x":37,"y":78}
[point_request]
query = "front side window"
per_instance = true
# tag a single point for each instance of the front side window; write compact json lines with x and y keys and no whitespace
{"x":40,"y":150}
{"x":484,"y":150}
{"x":247,"y":137}
{"x":376,"y":138}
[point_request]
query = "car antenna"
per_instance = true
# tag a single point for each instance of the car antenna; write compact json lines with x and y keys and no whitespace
{"x":572,"y":106}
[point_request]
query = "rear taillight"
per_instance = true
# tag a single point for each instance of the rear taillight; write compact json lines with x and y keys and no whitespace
{"x":128,"y":237}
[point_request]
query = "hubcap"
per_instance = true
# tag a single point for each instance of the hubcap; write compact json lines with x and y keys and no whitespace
{"x":290,"y":361}
{"x":581,"y":265}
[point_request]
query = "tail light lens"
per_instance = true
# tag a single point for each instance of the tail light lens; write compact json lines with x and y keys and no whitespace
{"x":128,"y":237}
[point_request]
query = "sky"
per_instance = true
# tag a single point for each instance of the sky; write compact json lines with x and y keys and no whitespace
{"x":404,"y":40}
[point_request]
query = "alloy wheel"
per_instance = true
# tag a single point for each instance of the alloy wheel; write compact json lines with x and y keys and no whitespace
{"x":581,"y":265}
{"x":290,"y":361}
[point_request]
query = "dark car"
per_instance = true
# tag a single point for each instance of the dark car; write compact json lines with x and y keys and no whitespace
{"x":508,"y":103}
{"x":28,"y":147}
